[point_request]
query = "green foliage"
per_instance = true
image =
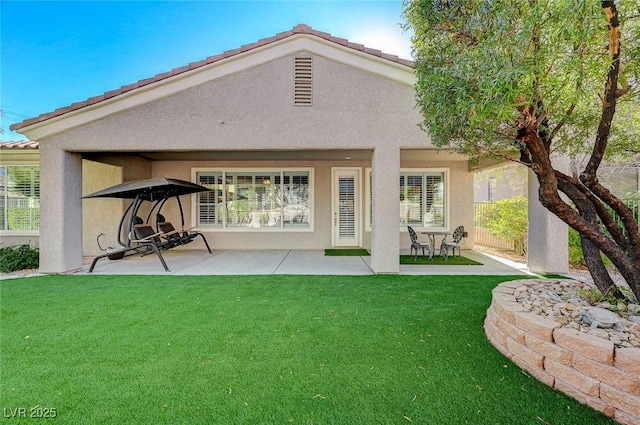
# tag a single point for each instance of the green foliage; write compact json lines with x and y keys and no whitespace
{"x":593,"y":296}
{"x":528,"y":79}
{"x":24,"y":180}
{"x":23,"y":218}
{"x":20,"y":257}
{"x":479,"y":62}
{"x":509,"y":220}
{"x":576,"y":258}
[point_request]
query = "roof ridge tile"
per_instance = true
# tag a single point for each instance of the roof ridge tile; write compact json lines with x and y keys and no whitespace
{"x":19,"y":144}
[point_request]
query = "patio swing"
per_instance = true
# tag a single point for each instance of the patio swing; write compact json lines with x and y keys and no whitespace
{"x":136,"y":236}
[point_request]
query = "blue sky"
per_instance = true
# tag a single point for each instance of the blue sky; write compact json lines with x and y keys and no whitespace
{"x":55,"y":53}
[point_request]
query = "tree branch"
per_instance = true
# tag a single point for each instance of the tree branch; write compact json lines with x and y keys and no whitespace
{"x":603,"y":213}
{"x":591,"y":252}
{"x":609,"y":98}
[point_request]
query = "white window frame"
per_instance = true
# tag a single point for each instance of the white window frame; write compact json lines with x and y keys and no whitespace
{"x":403,"y":228}
{"x":224,"y":171}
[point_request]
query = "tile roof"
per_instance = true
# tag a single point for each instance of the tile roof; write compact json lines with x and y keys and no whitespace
{"x":298,"y":29}
{"x":22,"y":144}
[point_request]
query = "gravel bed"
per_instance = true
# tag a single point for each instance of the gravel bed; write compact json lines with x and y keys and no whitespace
{"x":564,"y":301}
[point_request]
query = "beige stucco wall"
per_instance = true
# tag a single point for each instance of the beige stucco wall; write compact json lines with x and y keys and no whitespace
{"x":99,"y":215}
{"x":254,"y":109}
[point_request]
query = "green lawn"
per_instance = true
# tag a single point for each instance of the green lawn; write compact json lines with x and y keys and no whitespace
{"x":264,"y":350}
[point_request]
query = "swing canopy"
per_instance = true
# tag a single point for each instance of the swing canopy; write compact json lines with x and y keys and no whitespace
{"x":152,"y":190}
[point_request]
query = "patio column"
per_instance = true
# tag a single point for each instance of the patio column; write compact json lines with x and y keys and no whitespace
{"x":548,"y":239}
{"x":60,"y":210}
{"x":385,"y":191}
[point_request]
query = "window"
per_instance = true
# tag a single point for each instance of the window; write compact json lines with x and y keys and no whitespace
{"x":423,"y":198}
{"x":19,"y":198}
{"x":254,"y":199}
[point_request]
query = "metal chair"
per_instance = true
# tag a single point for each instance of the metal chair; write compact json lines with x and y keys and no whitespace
{"x":416,"y":245}
{"x":452,"y":245}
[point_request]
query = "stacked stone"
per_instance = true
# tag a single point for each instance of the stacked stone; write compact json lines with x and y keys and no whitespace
{"x":559,"y":300}
{"x":582,"y":365}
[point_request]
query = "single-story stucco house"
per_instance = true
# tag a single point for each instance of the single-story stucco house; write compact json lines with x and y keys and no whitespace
{"x":306,"y":140}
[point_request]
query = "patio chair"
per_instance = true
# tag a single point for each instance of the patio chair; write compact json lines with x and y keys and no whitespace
{"x":178,"y":237}
{"x":452,"y":245}
{"x":416,"y":245}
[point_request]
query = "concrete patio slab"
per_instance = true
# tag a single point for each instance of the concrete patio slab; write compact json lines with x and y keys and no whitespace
{"x":262,"y":262}
{"x":315,"y":262}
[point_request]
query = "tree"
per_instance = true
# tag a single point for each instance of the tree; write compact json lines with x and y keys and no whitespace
{"x":527,"y":80}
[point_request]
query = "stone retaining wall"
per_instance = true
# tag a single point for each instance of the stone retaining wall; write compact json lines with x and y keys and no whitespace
{"x":586,"y":367}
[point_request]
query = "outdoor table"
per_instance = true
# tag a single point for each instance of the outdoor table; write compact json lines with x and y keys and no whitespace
{"x":431,"y":235}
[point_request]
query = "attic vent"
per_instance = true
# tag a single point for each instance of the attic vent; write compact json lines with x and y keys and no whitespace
{"x":302,"y":95}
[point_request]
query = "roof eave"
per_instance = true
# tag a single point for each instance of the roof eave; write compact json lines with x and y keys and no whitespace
{"x":172,"y":82}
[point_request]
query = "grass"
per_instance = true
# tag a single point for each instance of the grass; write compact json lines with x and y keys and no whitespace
{"x":264,"y":350}
{"x":438,"y":261}
{"x":357,"y":252}
{"x":405,"y":259}
{"x":554,"y":276}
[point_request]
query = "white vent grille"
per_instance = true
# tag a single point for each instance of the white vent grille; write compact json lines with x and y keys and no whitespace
{"x":303,"y":79}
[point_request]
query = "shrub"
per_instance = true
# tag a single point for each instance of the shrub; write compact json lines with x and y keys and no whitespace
{"x":576,"y":258}
{"x":509,"y":220}
{"x":20,"y":257}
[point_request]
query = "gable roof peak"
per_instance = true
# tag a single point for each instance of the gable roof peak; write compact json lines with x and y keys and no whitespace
{"x":302,"y":28}
{"x":299,"y":30}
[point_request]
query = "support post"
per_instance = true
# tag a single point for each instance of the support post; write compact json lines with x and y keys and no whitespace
{"x":385,"y":190}
{"x":60,"y":210}
{"x":548,"y":239}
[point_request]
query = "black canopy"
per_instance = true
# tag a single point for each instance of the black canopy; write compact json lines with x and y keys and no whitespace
{"x":153,"y":189}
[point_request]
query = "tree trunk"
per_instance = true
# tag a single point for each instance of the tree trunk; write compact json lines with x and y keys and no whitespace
{"x":584,"y":219}
{"x":597,"y":269}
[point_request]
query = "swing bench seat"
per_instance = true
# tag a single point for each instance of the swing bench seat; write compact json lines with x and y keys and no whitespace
{"x":146,"y":242}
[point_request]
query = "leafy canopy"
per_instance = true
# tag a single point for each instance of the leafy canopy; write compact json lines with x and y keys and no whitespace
{"x":479,"y":62}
